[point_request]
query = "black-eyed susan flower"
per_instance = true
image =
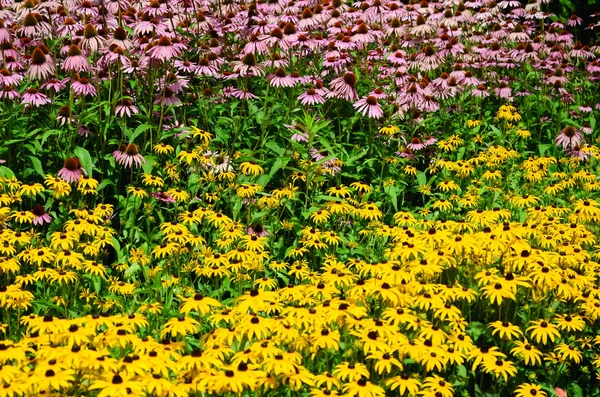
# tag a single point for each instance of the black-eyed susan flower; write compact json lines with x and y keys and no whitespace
{"x":350,"y":372}
{"x":505,"y":330}
{"x":500,"y":368}
{"x":529,"y":390}
{"x":137,"y":192}
{"x":199,"y":303}
{"x":543,"y":331}
{"x":250,"y":168}
{"x":152,"y":180}
{"x":31,"y":189}
{"x":363,"y":388}
{"x":569,"y":323}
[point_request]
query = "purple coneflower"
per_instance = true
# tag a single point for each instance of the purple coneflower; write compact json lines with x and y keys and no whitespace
{"x":258,"y":230}
{"x":131,"y":157}
{"x":311,"y":97}
{"x":164,"y":197}
{"x":8,"y":92}
{"x":126,"y":108}
{"x":9,"y":78}
{"x":72,"y":170}
{"x":280,"y":79}
{"x":503,"y":91}
{"x":416,"y":144}
{"x":64,"y":115}
{"x":344,"y":87}
{"x":41,"y":67}
{"x":480,"y":92}
{"x":35,"y":98}
{"x":168,"y":98}
{"x":83,"y":87}
{"x":569,"y":137}
{"x":91,"y":41}
{"x":369,"y":106}
{"x":75,"y":62}
{"x":248,"y":66}
{"x":163,"y":50}
{"x":41,"y":217}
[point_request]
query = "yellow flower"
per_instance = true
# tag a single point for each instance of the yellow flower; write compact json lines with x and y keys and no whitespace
{"x":248,"y":168}
{"x":389,"y":130}
{"x":137,"y":192}
{"x":473,"y":123}
{"x":529,"y":390}
{"x":410,"y":170}
{"x":162,"y":148}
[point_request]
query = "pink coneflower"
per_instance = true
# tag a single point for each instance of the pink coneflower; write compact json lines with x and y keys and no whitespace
{"x":41,"y":67}
{"x":503,"y":91}
{"x":186,"y":66}
{"x":586,"y":128}
{"x":35,"y":98}
{"x":41,"y":217}
{"x":119,"y":152}
{"x":70,"y":27}
{"x":164,"y":197}
{"x":115,"y":55}
{"x":243,"y":94}
{"x":344,"y":87}
{"x":54,"y":84}
{"x":91,"y":41}
{"x":369,"y":106}
{"x":8,"y":92}
{"x":120,"y":38}
{"x":258,"y":230}
{"x":416,"y":144}
{"x":480,"y":92}
{"x":163,"y":50}
{"x":126,"y":108}
{"x":574,"y":21}
{"x":75,"y":62}
{"x":131,"y":157}
{"x":168,"y":98}
{"x":72,"y":170}
{"x":378,"y":93}
{"x":5,"y":36}
{"x":311,"y":97}
{"x":83,"y":87}
{"x":280,"y":79}
{"x":64,"y":115}
{"x":33,"y":25}
{"x":248,"y":66}
{"x":84,"y":131}
{"x":569,"y":137}
{"x":9,"y":78}
{"x":427,"y":59}
{"x":205,"y":68}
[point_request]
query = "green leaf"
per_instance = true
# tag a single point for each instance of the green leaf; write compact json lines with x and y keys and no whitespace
{"x":86,"y":160}
{"x":138,"y":131}
{"x":37,"y":165}
{"x":6,"y":172}
{"x":392,"y":193}
{"x":575,"y":390}
{"x":421,"y":178}
{"x":543,"y":148}
{"x":149,"y":164}
{"x":275,"y":148}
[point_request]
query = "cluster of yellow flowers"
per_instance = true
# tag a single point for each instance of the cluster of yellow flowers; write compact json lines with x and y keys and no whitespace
{"x":349,"y":300}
